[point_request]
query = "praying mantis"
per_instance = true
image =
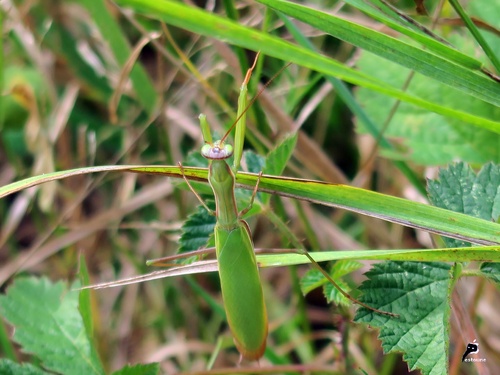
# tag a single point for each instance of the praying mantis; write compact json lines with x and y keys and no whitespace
{"x":241,"y":287}
{"x":239,"y":275}
{"x":238,"y":271}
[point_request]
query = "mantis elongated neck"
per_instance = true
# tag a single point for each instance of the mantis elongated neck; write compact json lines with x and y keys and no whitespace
{"x":221,"y":178}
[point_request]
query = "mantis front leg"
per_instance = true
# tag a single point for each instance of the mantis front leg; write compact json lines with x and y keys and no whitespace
{"x":211,"y":212}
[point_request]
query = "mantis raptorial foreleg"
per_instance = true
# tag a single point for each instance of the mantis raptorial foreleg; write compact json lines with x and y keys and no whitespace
{"x":211,"y":212}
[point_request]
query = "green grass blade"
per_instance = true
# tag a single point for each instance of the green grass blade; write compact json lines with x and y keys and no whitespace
{"x":456,"y":254}
{"x":397,"y":210}
{"x":218,"y":27}
{"x":85,"y":307}
{"x":110,"y":30}
{"x":409,"y":56}
{"x":349,"y":100}
{"x":415,"y":34}
{"x":6,"y":346}
{"x":489,"y":254}
{"x":366,"y":202}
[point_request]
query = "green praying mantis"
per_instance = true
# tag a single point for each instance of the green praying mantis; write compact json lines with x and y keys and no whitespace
{"x":241,"y":287}
{"x":238,"y":271}
{"x":239,"y":275}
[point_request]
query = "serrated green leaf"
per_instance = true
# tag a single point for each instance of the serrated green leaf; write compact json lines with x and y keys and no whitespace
{"x":459,"y":189}
{"x":418,"y":293}
{"x":255,"y":163}
{"x":8,"y":367}
{"x":333,"y":295}
{"x":314,"y":279}
{"x":50,"y":326}
{"x":448,"y":192}
{"x":491,"y":271}
{"x":311,"y":280}
{"x":344,"y":267}
{"x":195,"y":159}
{"x":338,"y":270}
{"x":197,"y":229}
{"x":142,"y":369}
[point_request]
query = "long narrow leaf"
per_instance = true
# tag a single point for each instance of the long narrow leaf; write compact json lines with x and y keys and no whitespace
{"x":190,"y":18}
{"x":439,"y":48}
{"x":395,"y":50}
{"x":385,"y":207}
{"x":459,"y":254}
{"x":110,"y":30}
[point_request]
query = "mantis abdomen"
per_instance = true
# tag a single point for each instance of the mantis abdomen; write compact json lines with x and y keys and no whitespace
{"x":242,"y":289}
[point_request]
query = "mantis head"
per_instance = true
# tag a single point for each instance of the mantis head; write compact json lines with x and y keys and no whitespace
{"x":217,"y":151}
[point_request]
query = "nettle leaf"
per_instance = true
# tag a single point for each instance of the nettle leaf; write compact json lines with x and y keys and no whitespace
{"x":419,"y":293}
{"x":142,"y":369}
{"x":48,"y":325}
{"x":344,"y":267}
{"x":459,"y":189}
{"x":333,"y":295}
{"x":311,"y":280}
{"x":197,"y":229}
{"x":491,"y":271}
{"x":195,"y":159}
{"x":314,"y":279}
{"x":255,"y":163}
{"x":7,"y":367}
{"x":338,"y":270}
